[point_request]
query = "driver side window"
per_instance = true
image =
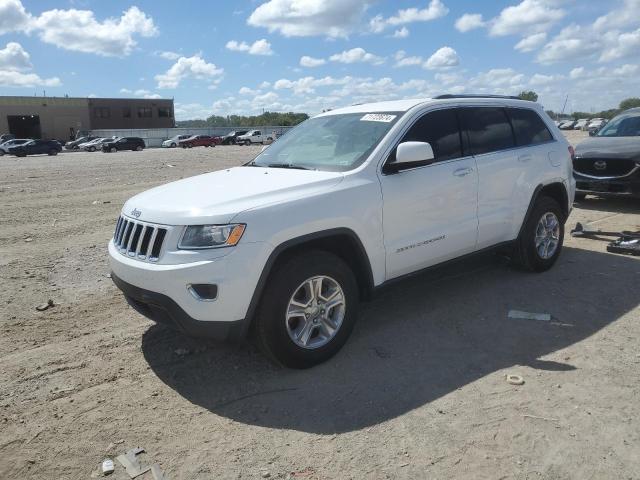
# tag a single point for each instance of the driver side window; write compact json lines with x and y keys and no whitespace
{"x":440,"y":129}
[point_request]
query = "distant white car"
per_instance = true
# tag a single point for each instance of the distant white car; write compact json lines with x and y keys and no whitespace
{"x":93,"y":145}
{"x":254,"y":136}
{"x":581,"y":124}
{"x":173,"y":142}
{"x":4,"y":147}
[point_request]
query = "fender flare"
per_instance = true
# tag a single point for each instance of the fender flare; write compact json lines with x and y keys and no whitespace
{"x":294,"y":242}
{"x":534,"y":198}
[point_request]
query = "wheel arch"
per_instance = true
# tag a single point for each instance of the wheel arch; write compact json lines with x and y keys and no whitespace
{"x":342,"y":242}
{"x":555,"y":190}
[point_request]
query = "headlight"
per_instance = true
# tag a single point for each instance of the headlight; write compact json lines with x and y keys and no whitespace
{"x":211,"y":236}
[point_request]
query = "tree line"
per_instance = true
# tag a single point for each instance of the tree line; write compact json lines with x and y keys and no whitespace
{"x":626,"y":104}
{"x":267,"y":118}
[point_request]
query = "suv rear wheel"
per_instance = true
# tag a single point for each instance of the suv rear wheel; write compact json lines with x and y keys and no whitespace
{"x":308,"y":309}
{"x":540,"y":241}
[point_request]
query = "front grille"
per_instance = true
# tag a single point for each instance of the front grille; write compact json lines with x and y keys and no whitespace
{"x":604,"y":167}
{"x":139,"y":240}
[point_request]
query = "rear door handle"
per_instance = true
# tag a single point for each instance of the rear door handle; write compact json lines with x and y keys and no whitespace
{"x":525,"y":158}
{"x":463,"y":172}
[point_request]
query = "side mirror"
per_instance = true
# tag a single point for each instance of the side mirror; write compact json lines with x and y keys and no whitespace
{"x":411,"y":155}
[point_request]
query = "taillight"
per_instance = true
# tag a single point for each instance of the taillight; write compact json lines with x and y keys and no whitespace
{"x":572,"y":152}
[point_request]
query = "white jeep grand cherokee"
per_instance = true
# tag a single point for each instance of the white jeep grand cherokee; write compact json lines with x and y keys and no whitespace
{"x":286,"y":246}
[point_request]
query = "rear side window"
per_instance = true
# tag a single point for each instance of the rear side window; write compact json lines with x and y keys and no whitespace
{"x":440,"y":129}
{"x":528,"y":127}
{"x":488,"y":129}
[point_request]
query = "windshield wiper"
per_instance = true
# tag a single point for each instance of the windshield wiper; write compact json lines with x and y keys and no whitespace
{"x":287,"y":165}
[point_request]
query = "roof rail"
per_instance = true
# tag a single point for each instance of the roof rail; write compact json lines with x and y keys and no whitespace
{"x":449,"y":96}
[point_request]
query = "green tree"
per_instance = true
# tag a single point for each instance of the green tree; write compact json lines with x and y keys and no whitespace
{"x":267,"y":118}
{"x":630,"y":103}
{"x":528,"y":95}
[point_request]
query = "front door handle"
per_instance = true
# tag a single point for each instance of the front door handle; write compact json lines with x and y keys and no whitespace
{"x":463,"y":172}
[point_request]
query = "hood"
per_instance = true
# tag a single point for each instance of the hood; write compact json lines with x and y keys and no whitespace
{"x":609,"y":147}
{"x":218,"y":196}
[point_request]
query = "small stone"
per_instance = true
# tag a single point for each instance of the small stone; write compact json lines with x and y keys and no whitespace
{"x":28,"y":239}
{"x":45,"y":306}
{"x":266,"y":474}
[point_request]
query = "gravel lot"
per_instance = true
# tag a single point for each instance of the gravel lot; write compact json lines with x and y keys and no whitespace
{"x":418,"y":392}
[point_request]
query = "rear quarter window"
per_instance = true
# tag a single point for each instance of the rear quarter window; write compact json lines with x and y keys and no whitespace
{"x":488,"y":129}
{"x":528,"y":127}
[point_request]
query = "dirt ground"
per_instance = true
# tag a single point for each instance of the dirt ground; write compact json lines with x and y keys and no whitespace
{"x":419,"y":391}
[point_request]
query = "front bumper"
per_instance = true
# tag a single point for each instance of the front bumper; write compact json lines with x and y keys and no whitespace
{"x":161,"y":309}
{"x":161,"y":291}
{"x":614,"y":187}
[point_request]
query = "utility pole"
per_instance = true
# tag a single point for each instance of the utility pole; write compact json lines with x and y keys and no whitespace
{"x":565,"y":104}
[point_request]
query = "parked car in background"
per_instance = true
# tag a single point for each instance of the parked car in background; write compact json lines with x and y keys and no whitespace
{"x":6,"y":136}
{"x":94,"y":145}
{"x":231,"y":137}
{"x":36,"y":147}
{"x":174,"y":141}
{"x":287,"y":245}
{"x":581,"y":124}
{"x":608,"y":164}
{"x":200,"y":141}
{"x":595,"y":125}
{"x":254,"y":136}
{"x":124,"y":143}
{"x":567,"y":125}
{"x":4,"y":147}
{"x":75,"y":144}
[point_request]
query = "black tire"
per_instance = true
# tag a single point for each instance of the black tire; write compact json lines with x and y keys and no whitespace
{"x":173,"y":145}
{"x":270,"y":329}
{"x":190,"y":146}
{"x":92,"y":149}
{"x":52,"y":153}
{"x":139,"y":148}
{"x":21,"y":154}
{"x":525,"y":255}
{"x":113,"y":150}
{"x":580,"y":197}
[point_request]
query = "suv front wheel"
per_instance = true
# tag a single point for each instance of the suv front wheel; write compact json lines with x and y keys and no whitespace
{"x":308,"y":309}
{"x":539,"y":244}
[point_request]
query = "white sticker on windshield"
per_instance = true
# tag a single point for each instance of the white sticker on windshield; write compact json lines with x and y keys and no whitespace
{"x":377,"y":117}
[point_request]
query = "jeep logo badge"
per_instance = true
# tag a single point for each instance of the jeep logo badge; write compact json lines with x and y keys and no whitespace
{"x":600,"y":165}
{"x":136,"y":213}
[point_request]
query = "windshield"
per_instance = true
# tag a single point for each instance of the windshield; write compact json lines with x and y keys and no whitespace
{"x":625,"y":125}
{"x":335,"y":143}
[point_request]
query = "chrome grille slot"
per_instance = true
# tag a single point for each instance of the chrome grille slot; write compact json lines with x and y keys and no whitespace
{"x":139,"y":240}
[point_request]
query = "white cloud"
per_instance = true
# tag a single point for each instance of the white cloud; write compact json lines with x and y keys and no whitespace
{"x":529,"y":16}
{"x":573,"y":42}
{"x":169,"y":55}
{"x":188,"y":67}
{"x":13,"y":17}
{"x":532,"y":42}
{"x":357,"y":55}
{"x":310,"y":62}
{"x":259,"y":47}
{"x":626,"y":70}
{"x":15,"y":58}
{"x":401,"y":33}
{"x":141,"y":92}
{"x":627,"y":16}
{"x":304,"y":18}
{"x":189,"y":111}
{"x":248,"y":91}
{"x":538,"y":79}
{"x":307,"y":85}
{"x":621,"y":45}
{"x":434,"y":10}
{"x":15,"y":69}
{"x":443,"y":58}
{"x":78,"y":30}
{"x":576,"y":73}
{"x":469,"y":21}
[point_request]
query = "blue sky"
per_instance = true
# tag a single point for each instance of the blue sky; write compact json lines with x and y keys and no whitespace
{"x":308,"y":55}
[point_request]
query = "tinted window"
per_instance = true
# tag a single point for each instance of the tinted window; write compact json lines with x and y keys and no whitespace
{"x":440,"y":129}
{"x":528,"y":127}
{"x":488,"y":128}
